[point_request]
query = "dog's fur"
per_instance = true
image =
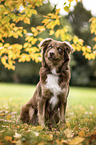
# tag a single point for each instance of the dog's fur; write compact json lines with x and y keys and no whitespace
{"x":48,"y":103}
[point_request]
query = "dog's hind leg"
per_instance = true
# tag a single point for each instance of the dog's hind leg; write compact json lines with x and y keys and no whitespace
{"x":31,"y":113}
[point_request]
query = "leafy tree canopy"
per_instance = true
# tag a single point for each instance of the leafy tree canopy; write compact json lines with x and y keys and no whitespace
{"x":13,"y":12}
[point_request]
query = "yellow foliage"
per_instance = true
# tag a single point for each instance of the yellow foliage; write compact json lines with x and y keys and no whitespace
{"x":51,"y":32}
{"x":45,"y":21}
{"x":26,"y":20}
{"x":10,"y":53}
{"x":70,"y":0}
{"x":76,"y":1}
{"x":34,"y":30}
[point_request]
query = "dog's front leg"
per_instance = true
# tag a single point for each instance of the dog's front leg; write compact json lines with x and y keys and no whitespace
{"x":62,"y":112}
{"x":41,"y":112}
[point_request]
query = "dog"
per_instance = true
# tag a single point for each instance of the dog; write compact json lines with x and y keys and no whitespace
{"x":49,"y":101}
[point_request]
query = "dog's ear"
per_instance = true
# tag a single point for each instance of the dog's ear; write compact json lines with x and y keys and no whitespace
{"x":44,"y":45}
{"x":45,"y":42}
{"x":68,"y":48}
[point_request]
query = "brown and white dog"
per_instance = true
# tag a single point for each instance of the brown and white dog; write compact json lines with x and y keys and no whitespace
{"x":48,"y":104}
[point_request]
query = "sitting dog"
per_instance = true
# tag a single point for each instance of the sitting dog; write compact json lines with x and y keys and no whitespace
{"x":48,"y":103}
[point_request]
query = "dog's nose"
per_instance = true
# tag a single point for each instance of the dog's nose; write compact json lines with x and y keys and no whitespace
{"x":51,"y":54}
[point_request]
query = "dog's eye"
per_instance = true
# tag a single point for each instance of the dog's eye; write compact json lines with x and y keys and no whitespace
{"x":67,"y":48}
{"x":50,"y":47}
{"x":59,"y":49}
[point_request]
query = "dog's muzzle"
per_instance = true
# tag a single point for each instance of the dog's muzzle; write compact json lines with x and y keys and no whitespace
{"x":52,"y":57}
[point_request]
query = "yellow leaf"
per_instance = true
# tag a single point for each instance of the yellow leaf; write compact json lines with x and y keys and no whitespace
{"x":16,"y":46}
{"x":66,"y":8}
{"x":27,"y":44}
{"x":76,"y":140}
{"x":34,"y":30}
{"x":57,"y":22}
{"x":51,"y":32}
{"x":68,"y":133}
{"x":45,"y":21}
{"x":6,"y":45}
{"x":34,"y":11}
{"x":1,"y":44}
{"x":76,"y":1}
{"x":8,"y":138}
{"x":37,"y":128}
{"x":26,"y":20}
{"x":94,"y":46}
{"x":8,"y":117}
{"x":70,"y":0}
{"x":81,"y":133}
{"x":51,"y":25}
{"x":57,"y":11}
{"x":34,"y":41}
{"x":64,"y":142}
{"x":68,"y":124}
{"x":3,"y":60}
{"x":48,"y":137}
{"x":41,"y":143}
{"x":57,"y":33}
{"x":75,"y":39}
{"x":52,"y":16}
{"x":40,"y":28}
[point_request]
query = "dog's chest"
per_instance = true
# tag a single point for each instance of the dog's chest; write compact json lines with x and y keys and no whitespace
{"x":53,"y":86}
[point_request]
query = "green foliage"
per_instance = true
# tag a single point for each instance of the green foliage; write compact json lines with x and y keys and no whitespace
{"x":83,"y":70}
{"x":79,"y":127}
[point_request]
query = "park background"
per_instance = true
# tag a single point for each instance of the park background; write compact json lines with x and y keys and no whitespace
{"x":21,"y":30}
{"x":83,"y":71}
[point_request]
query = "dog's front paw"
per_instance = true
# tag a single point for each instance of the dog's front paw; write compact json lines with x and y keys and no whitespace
{"x":18,"y":121}
{"x":41,"y":121}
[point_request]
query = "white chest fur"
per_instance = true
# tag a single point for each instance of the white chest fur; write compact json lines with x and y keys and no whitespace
{"x":53,"y":86}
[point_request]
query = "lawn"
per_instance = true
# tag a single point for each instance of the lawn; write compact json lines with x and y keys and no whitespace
{"x":80,"y":127}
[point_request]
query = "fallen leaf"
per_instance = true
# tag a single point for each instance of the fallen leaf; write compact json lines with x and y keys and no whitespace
{"x":76,"y":128}
{"x":17,"y":135}
{"x":68,"y":124}
{"x":68,"y":133}
{"x":36,"y":133}
{"x":8,"y":117}
{"x":64,"y":142}
{"x":75,"y":141}
{"x":1,"y":142}
{"x":37,"y":128}
{"x":48,"y":137}
{"x":81,"y":133}
{"x":8,"y":138}
{"x":14,"y":141}
{"x":19,"y":142}
{"x":2,"y":114}
{"x":90,"y":134}
{"x":41,"y":143}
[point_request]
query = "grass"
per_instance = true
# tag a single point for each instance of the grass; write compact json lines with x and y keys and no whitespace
{"x":80,"y":126}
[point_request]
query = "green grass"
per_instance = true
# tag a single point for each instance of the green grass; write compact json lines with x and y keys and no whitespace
{"x":80,"y":117}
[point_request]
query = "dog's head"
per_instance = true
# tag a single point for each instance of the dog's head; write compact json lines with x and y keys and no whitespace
{"x":55,"y":53}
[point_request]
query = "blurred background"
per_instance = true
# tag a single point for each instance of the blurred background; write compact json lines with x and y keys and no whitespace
{"x":83,"y":71}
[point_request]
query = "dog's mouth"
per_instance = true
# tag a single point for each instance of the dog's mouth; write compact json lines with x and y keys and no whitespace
{"x":53,"y":58}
